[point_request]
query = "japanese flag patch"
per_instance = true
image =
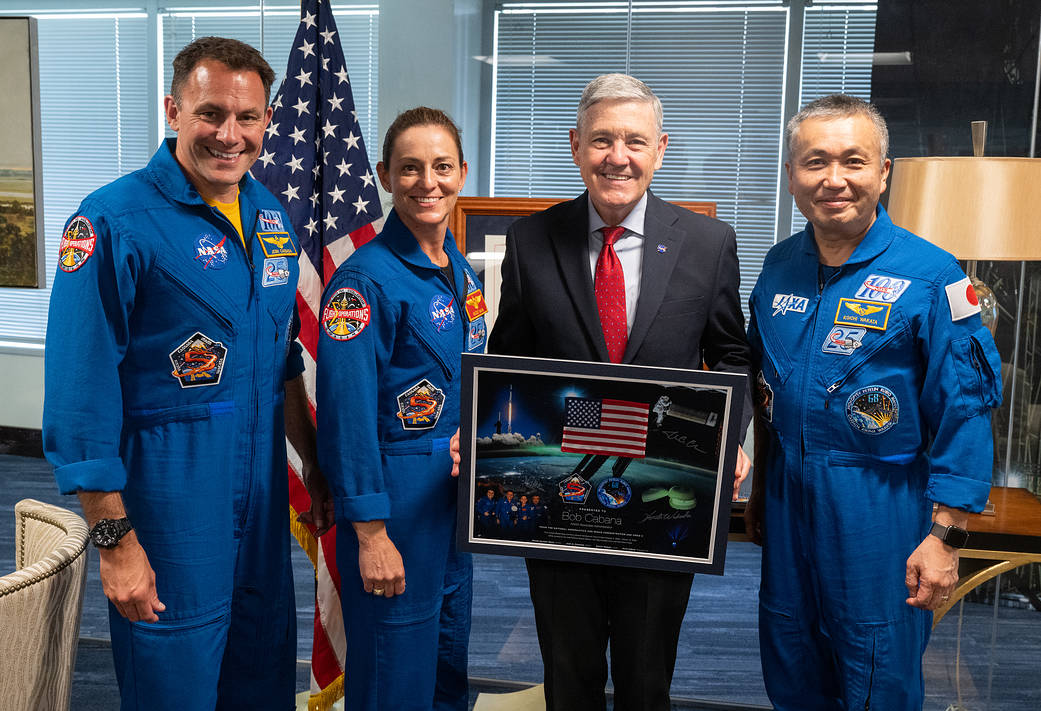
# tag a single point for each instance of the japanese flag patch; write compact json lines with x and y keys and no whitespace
{"x":961,"y":297}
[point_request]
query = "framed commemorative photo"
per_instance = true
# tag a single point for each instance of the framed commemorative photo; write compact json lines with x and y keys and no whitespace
{"x":598,"y":462}
{"x":479,"y":226}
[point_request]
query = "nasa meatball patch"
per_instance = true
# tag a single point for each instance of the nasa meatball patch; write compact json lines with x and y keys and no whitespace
{"x":442,"y":312}
{"x":198,"y":361}
{"x":211,"y":252}
{"x":77,"y":244}
{"x":345,"y":315}
{"x":872,"y":410}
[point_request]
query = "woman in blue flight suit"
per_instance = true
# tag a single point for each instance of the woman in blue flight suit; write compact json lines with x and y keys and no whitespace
{"x":396,"y":316}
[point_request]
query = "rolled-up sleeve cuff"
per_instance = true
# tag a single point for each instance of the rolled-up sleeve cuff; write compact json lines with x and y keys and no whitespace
{"x":91,"y":475}
{"x":367,"y":507}
{"x":958,"y":492}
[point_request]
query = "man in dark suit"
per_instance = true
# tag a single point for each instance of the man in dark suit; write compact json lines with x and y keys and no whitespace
{"x":618,"y":275}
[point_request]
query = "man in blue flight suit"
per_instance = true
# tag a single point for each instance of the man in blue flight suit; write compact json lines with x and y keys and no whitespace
{"x":875,"y":387}
{"x":164,"y":398}
{"x":486,"y":513}
{"x":507,"y":513}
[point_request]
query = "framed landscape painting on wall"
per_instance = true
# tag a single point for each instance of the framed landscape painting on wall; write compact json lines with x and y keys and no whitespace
{"x":21,"y":194}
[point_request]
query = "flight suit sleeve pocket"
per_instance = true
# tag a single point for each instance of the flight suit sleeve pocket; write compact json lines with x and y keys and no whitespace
{"x":978,"y":365}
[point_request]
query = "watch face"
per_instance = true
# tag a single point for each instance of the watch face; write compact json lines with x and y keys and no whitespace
{"x":108,"y":532}
{"x":956,"y":537}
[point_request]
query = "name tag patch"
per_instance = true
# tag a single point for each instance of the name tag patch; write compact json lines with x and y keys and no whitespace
{"x":346,"y":315}
{"x":77,"y":244}
{"x":276,"y":271}
{"x":857,"y":312}
{"x":198,"y":361}
{"x":885,"y":289}
{"x":420,"y":406}
{"x":843,"y":340}
{"x":872,"y":410}
{"x":783,"y":303}
{"x":277,"y":244}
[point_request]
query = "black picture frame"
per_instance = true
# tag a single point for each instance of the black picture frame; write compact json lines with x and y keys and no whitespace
{"x":658,"y":500}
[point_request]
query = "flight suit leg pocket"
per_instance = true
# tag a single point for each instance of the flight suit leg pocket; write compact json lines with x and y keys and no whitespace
{"x":170,"y":666}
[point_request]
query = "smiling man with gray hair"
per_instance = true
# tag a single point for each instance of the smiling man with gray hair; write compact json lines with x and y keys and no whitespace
{"x":617,"y":275}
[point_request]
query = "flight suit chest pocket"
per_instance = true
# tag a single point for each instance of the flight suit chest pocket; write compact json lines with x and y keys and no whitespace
{"x":434,"y":344}
{"x":187,"y":292}
{"x":777,"y":365}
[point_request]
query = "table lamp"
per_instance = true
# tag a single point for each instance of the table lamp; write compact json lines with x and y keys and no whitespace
{"x":977,"y":208}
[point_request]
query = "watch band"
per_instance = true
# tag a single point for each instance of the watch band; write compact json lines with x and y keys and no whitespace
{"x":954,"y":536}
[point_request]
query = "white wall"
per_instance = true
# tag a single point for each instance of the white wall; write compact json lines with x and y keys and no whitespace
{"x":21,"y":401}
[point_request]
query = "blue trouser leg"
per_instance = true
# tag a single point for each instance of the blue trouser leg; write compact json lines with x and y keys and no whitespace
{"x":409,"y":652}
{"x":452,"y":690}
{"x":217,"y":538}
{"x":835,"y":632}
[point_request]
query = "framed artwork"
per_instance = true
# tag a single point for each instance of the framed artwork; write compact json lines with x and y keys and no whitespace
{"x":22,"y":260}
{"x":598,"y":462}
{"x":479,"y":226}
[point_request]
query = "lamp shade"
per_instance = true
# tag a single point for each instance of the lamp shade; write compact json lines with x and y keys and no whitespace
{"x":975,"y":208}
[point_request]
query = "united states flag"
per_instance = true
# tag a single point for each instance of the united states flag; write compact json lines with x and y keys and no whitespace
{"x":607,"y":427}
{"x":314,"y":160}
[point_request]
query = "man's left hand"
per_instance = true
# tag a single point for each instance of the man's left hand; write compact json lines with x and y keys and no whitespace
{"x":744,"y":464}
{"x":932,"y":573}
{"x":453,"y":449}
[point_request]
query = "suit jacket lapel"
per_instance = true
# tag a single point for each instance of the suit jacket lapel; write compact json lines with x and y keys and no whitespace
{"x":657,"y":268}
{"x":570,"y":241}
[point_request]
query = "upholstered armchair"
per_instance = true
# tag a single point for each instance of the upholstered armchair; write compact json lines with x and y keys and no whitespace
{"x":40,"y":607}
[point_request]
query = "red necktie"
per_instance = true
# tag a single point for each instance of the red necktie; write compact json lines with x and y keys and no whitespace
{"x":609,"y":285}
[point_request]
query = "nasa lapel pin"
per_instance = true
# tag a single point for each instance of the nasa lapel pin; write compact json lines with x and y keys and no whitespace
{"x":662,"y":249}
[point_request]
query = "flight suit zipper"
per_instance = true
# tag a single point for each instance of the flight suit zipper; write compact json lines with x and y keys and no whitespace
{"x":253,"y":408}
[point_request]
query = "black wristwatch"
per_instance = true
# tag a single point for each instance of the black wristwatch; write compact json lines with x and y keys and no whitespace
{"x":953,"y":536}
{"x":107,"y":532}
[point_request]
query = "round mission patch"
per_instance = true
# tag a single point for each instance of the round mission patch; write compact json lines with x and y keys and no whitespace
{"x":345,"y":315}
{"x":77,"y":244}
{"x":872,"y":410}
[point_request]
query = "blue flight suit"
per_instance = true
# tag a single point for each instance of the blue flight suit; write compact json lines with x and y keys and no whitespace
{"x":880,"y":381}
{"x":507,"y":512}
{"x":526,"y":519}
{"x":392,"y":331}
{"x":166,"y":354}
{"x":486,"y":515}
